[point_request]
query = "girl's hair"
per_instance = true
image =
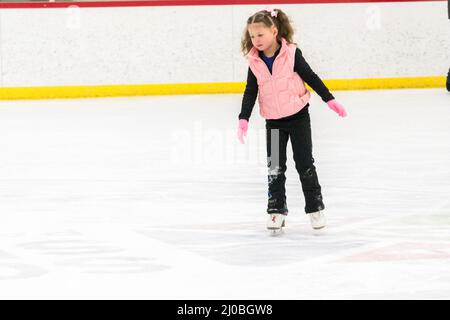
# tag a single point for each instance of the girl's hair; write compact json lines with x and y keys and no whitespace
{"x":281,"y":22}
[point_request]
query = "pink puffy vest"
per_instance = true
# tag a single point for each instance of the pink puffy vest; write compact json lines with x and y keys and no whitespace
{"x":283,"y":92}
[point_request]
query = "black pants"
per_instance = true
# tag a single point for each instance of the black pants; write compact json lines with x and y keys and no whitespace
{"x":298,"y":128}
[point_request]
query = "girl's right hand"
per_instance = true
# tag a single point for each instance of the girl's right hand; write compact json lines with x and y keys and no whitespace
{"x":242,"y":129}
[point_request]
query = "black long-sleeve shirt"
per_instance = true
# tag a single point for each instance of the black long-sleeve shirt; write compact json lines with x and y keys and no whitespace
{"x":301,"y":67}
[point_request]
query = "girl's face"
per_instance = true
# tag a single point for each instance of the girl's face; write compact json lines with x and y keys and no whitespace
{"x":262,"y":36}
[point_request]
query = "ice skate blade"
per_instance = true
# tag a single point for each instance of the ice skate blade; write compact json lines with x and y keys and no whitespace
{"x":275,"y":231}
{"x":318,"y":228}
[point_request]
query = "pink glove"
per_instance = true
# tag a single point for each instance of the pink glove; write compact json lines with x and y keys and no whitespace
{"x":337,"y":107}
{"x":242,"y":129}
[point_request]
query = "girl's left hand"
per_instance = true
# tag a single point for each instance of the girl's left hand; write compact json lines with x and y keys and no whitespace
{"x":337,"y":107}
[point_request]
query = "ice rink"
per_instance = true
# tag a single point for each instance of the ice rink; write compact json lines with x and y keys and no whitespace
{"x":155,"y":198}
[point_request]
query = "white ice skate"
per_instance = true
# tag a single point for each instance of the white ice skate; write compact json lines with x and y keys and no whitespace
{"x":275,"y":222}
{"x":317,"y":220}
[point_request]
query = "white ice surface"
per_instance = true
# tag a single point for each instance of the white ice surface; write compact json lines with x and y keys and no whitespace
{"x":154,"y":198}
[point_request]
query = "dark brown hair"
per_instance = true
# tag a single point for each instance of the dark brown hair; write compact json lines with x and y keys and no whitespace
{"x":281,"y":22}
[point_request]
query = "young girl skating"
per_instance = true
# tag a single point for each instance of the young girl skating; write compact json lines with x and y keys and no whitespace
{"x":277,"y":72}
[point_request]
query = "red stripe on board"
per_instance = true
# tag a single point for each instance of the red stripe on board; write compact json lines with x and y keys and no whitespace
{"x":147,"y":3}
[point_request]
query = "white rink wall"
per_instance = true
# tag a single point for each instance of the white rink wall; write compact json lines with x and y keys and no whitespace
{"x":198,"y":44}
